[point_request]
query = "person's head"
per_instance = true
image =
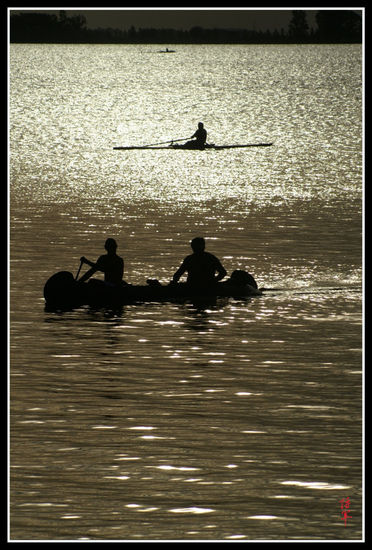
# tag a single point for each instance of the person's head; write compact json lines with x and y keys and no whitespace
{"x":200,"y":125}
{"x":110,"y":245}
{"x":198,"y":244}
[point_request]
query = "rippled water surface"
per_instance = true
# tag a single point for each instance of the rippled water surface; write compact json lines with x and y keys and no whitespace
{"x":237,"y":421}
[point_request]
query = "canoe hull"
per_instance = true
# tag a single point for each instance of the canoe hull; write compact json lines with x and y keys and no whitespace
{"x":62,"y":291}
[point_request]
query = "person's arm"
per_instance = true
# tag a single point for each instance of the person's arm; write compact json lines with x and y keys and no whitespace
{"x":85,"y":260}
{"x":90,"y":272}
{"x":121,"y":272}
{"x":87,"y":275}
{"x":221,"y":271}
{"x":180,"y":271}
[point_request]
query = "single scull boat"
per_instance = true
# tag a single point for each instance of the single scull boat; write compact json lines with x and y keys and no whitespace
{"x":207,"y":146}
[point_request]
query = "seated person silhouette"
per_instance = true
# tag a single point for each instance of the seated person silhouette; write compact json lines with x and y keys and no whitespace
{"x":201,"y":267}
{"x":200,"y":138}
{"x":110,"y":264}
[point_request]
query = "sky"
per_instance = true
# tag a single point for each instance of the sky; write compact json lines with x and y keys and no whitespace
{"x":185,"y":18}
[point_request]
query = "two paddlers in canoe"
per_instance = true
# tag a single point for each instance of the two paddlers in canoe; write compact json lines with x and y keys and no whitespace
{"x":203,"y":268}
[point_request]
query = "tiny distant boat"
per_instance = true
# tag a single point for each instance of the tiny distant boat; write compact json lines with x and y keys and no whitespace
{"x":207,"y":146}
{"x":166,"y":51}
{"x":62,"y":291}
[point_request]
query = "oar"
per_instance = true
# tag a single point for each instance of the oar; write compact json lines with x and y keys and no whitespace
{"x":77,"y":274}
{"x":164,"y":142}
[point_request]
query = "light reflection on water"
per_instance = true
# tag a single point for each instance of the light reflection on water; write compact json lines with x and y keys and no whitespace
{"x":195,"y":423}
{"x":236,"y":421}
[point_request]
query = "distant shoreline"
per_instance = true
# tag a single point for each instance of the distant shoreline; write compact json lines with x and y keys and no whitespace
{"x":190,"y":43}
{"x":334,"y":27}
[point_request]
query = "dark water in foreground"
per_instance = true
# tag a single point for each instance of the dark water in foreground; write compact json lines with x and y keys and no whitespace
{"x":240,"y":421}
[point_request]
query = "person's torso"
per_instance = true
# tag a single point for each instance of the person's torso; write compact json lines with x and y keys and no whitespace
{"x":201,"y":268}
{"x":201,"y":134}
{"x":112,"y":266}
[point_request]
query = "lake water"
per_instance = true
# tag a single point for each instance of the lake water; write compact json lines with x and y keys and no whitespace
{"x":240,"y":421}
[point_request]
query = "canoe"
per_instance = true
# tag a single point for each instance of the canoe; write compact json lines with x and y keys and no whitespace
{"x":62,"y":291}
{"x":190,"y":148}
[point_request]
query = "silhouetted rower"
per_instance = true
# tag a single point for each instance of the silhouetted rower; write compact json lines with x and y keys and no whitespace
{"x":201,"y":267}
{"x":110,"y":264}
{"x":200,"y":138}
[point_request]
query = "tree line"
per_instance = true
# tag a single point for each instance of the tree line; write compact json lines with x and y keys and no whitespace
{"x":333,"y":26}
